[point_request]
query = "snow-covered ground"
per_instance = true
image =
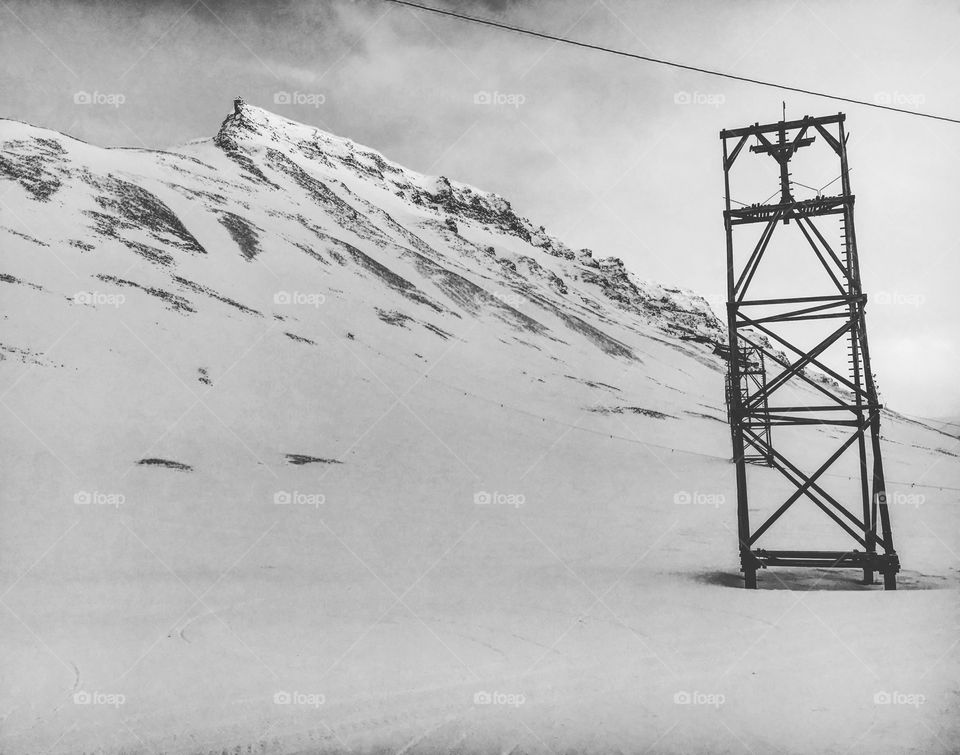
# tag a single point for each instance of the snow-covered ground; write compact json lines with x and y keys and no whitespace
{"x":447,"y":485}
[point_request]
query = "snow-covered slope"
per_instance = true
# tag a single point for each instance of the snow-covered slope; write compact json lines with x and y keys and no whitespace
{"x":305,"y":451}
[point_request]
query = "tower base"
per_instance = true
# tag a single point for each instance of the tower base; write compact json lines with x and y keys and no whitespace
{"x":887,"y":564}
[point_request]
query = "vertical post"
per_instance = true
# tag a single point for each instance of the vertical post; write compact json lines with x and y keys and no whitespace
{"x":879,"y":497}
{"x":855,"y":309}
{"x":783,"y":158}
{"x":879,"y":482}
{"x":747,"y":561}
{"x":869,"y":528}
{"x":767,"y":434}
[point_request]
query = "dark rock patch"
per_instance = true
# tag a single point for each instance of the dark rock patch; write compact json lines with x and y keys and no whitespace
{"x":154,"y":462}
{"x":300,"y":459}
{"x":630,"y":410}
{"x":301,"y":339}
{"x":197,"y":288}
{"x":593,"y":383}
{"x":174,"y":302}
{"x":31,"y":163}
{"x":27,"y":237}
{"x":439,"y":331}
{"x":607,"y":344}
{"x":393,"y":317}
{"x":243,"y":233}
{"x":136,"y":207}
{"x":705,"y":416}
{"x":7,"y":278}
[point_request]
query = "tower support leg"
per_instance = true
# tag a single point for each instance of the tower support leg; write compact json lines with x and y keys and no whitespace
{"x":889,"y":580}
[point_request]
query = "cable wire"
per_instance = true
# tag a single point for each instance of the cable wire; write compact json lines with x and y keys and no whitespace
{"x":672,"y":64}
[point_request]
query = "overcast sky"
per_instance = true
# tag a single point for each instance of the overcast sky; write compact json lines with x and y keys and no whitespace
{"x":603,"y":151}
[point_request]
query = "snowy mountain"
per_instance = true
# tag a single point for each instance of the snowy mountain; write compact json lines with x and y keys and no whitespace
{"x":307,"y":452}
{"x":287,"y":191}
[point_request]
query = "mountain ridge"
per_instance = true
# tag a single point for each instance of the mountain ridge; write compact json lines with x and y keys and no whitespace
{"x":258,"y":142}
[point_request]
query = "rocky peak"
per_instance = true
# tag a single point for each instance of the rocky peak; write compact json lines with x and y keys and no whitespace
{"x":235,"y":125}
{"x":250,"y":127}
{"x":251,"y":124}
